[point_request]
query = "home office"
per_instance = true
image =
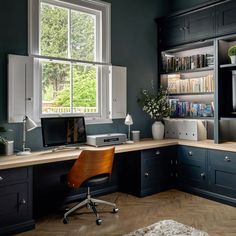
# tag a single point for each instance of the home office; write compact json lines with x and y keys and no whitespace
{"x":171,"y":173}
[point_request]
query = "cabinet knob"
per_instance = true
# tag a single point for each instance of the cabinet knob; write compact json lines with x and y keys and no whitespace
{"x":146,"y":174}
{"x":181,"y":28}
{"x":1,"y":178}
{"x":203,"y":175}
{"x":190,"y":153}
{"x":158,"y":152}
{"x":23,"y":201}
{"x":227,"y":159}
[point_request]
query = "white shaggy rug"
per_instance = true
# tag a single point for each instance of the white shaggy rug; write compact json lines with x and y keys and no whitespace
{"x":167,"y":228}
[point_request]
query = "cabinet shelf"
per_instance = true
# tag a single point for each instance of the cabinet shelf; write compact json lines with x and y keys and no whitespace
{"x":228,"y":66}
{"x":190,"y":94}
{"x":188,"y":71}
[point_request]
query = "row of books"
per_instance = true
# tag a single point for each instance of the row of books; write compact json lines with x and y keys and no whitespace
{"x":190,"y":109}
{"x":173,"y":63}
{"x":190,"y":85}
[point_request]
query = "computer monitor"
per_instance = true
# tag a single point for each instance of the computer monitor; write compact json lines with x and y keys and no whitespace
{"x":59,"y":131}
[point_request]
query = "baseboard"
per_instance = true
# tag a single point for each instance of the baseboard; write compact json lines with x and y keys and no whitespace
{"x":209,"y":195}
{"x":17,"y":228}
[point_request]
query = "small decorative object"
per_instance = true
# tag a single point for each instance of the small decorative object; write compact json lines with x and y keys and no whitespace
{"x":156,"y":104}
{"x":129,"y":121}
{"x":6,"y":146}
{"x":136,"y":135}
{"x":232,"y":54}
{"x":28,"y":125}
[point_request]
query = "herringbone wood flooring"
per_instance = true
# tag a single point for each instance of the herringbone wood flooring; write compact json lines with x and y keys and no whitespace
{"x":215,"y":218}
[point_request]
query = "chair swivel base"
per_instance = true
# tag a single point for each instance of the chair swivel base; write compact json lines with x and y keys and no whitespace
{"x":90,"y":202}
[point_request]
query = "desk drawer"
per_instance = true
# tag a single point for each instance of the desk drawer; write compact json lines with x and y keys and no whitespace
{"x":227,"y":159}
{"x":188,"y":155}
{"x":156,"y":152}
{"x":13,"y":175}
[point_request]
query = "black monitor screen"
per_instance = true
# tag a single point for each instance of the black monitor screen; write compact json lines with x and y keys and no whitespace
{"x":63,"y":131}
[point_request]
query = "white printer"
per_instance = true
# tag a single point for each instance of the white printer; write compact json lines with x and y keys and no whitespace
{"x":100,"y":140}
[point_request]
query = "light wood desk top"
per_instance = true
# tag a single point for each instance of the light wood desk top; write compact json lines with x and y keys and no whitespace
{"x":44,"y":157}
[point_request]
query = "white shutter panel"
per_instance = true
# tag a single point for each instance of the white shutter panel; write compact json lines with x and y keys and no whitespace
{"x":20,"y":87}
{"x":118,"y":92}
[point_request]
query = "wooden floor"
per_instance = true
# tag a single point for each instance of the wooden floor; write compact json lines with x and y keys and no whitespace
{"x":215,"y":218}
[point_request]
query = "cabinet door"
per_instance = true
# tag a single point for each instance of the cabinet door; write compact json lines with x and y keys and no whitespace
{"x":226,"y":18}
{"x":222,"y":169}
{"x":156,"y":169}
{"x":172,"y":31}
{"x":14,"y":204}
{"x":191,"y":167}
{"x":200,"y":25}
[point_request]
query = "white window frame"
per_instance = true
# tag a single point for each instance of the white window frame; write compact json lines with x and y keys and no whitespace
{"x":102,"y":8}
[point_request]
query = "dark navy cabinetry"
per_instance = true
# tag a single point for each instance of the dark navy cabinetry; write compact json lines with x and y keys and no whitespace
{"x":226,"y":18}
{"x":222,"y":172}
{"x":191,"y":167}
{"x":187,"y":28}
{"x":16,"y":200}
{"x":149,"y":171}
{"x":200,"y":24}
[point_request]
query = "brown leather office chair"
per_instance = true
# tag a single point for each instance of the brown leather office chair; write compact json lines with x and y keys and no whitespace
{"x":92,"y":168}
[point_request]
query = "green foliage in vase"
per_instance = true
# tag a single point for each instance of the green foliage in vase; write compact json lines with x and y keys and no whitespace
{"x":2,"y":140}
{"x":155,"y":103}
{"x":232,"y":51}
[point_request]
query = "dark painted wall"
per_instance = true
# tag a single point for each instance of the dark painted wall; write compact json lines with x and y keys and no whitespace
{"x":133,"y":46}
{"x":177,"y":5}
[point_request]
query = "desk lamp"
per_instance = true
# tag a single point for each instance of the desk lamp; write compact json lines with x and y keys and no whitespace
{"x":129,"y":121}
{"x":28,"y":125}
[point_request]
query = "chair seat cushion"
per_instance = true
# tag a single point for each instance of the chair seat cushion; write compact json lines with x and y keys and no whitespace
{"x":96,"y":180}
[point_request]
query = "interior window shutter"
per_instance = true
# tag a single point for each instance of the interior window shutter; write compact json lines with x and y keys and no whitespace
{"x":118,"y":92}
{"x":20,"y":87}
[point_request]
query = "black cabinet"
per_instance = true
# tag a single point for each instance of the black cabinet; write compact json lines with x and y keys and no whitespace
{"x":226,"y":18}
{"x":148,"y":171}
{"x":172,"y":31}
{"x":16,"y":200}
{"x":191,"y":167}
{"x":222,"y":172}
{"x":200,"y":25}
{"x":187,"y":28}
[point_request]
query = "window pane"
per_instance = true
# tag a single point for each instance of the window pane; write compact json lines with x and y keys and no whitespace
{"x":54,"y":31}
{"x":83,"y":36}
{"x":84,"y":89}
{"x":55,"y":88}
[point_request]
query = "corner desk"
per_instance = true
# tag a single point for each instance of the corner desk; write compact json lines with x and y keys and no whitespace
{"x":30,"y":186}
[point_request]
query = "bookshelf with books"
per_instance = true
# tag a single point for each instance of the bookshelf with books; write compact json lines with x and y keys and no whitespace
{"x":187,"y":73}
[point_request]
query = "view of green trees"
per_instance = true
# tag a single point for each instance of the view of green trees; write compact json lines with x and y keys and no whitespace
{"x":56,"y":41}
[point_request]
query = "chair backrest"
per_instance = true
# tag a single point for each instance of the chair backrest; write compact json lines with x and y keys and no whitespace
{"x":90,"y":163}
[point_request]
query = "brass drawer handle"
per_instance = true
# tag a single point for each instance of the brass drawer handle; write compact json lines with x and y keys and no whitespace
{"x":227,"y":159}
{"x":1,"y":178}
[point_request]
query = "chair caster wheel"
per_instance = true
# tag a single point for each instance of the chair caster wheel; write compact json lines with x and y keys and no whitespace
{"x":115,"y":210}
{"x":98,"y":221}
{"x":65,"y":221}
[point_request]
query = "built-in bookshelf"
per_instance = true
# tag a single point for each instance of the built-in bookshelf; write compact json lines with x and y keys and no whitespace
{"x":188,"y":76}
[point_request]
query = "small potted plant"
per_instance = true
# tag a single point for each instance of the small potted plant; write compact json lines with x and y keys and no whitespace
{"x":6,"y":146}
{"x":156,"y":104}
{"x":232,"y":54}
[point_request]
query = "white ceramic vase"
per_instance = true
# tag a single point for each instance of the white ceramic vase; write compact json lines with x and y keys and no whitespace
{"x":233,"y":59}
{"x":158,"y":130}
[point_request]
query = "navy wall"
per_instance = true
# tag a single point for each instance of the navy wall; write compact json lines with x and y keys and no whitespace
{"x":133,"y":46}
